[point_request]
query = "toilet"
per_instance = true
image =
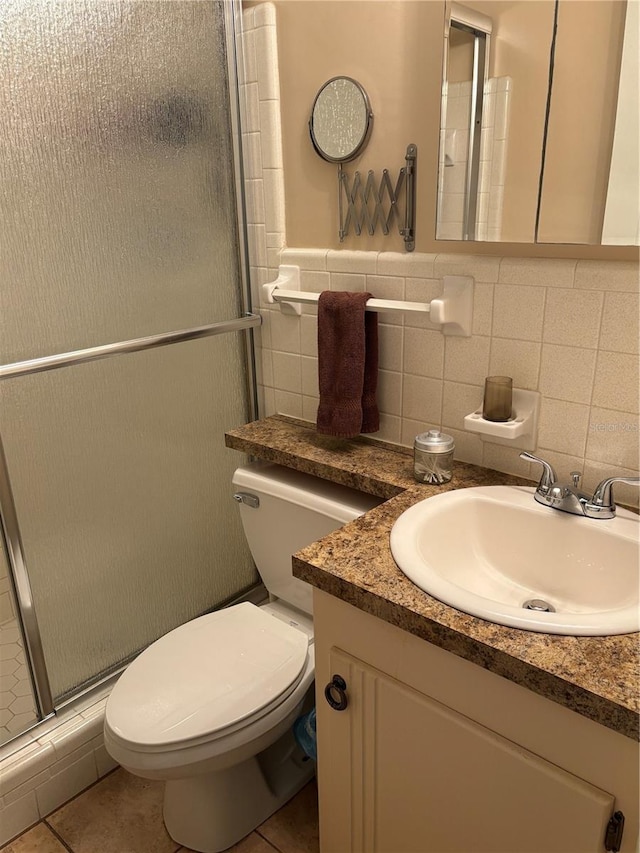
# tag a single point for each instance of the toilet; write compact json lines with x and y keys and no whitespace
{"x":209,"y":708}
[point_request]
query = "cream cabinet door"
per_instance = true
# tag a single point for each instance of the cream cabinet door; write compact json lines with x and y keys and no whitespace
{"x":402,"y":773}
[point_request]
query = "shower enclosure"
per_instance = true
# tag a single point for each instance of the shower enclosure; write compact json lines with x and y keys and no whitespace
{"x":122,"y":308}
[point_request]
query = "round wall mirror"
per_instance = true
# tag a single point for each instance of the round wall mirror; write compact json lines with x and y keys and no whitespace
{"x":341,"y":120}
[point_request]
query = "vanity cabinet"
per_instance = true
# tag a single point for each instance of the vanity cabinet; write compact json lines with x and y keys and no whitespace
{"x":434,"y":754}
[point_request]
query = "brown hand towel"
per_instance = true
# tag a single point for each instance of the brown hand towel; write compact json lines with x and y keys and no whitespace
{"x":347,"y":365}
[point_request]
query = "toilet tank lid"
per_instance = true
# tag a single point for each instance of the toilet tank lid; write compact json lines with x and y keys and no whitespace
{"x":205,"y":676}
{"x":333,"y":500}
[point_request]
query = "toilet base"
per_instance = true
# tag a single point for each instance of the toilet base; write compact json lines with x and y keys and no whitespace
{"x":212,"y":811}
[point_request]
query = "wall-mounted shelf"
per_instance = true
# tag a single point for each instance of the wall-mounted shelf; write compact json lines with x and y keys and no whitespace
{"x":521,"y":429}
{"x":453,"y":311}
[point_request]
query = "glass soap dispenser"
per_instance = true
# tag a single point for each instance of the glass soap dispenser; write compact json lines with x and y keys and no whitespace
{"x":433,"y":457}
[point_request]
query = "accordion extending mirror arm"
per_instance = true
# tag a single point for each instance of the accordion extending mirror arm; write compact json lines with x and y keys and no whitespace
{"x":366,"y":202}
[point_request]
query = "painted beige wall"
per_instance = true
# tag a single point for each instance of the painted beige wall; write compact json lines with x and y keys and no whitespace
{"x":382,"y":45}
{"x":395,"y":49}
{"x":582,"y":119}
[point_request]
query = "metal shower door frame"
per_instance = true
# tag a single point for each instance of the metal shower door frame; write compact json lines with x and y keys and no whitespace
{"x":9,"y":524}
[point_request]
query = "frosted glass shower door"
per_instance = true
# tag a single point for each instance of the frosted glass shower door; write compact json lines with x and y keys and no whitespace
{"x":118,"y":220}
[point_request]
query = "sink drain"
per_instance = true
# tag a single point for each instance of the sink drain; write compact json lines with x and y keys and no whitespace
{"x":539,"y":604}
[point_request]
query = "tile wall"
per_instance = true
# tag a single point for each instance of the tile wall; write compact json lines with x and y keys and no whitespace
{"x":41,"y":770}
{"x":565,"y":328}
{"x":454,"y":144}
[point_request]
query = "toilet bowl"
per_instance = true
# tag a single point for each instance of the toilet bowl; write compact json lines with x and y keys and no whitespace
{"x":209,"y":708}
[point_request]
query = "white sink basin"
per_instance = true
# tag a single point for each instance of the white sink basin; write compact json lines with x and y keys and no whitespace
{"x":487,"y":551}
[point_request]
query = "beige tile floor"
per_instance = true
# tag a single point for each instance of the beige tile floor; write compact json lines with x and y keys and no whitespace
{"x":123,"y":814}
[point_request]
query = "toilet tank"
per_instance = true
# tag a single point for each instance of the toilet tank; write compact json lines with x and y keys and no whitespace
{"x":293,"y":510}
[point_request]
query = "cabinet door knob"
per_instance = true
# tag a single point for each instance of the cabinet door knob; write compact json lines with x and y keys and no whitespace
{"x":335,"y":693}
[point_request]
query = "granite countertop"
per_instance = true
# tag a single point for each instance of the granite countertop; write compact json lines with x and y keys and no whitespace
{"x":597,"y":677}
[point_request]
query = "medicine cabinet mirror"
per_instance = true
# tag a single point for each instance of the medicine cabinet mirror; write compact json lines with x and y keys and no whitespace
{"x":341,"y":120}
{"x":540,"y":126}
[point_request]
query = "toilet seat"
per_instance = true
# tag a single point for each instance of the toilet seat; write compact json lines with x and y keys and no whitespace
{"x":180,"y":693}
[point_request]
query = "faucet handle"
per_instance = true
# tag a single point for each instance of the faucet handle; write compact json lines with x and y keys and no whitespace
{"x":548,"y":477}
{"x":603,"y":494}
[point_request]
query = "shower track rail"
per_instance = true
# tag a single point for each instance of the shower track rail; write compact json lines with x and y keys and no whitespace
{"x":8,"y":513}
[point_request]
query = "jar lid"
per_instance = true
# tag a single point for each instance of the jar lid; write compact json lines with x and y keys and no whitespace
{"x":434,"y":441}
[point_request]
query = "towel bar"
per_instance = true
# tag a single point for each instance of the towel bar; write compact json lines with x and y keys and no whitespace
{"x":453,"y":311}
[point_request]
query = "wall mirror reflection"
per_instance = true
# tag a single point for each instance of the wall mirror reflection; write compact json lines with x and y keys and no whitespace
{"x":544,"y":148}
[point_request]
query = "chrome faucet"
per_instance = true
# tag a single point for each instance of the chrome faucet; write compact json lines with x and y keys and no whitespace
{"x":568,"y":498}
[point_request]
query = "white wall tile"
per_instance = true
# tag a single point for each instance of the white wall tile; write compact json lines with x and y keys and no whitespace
{"x":390,"y":345}
{"x":275,"y":239}
{"x":613,"y":438}
{"x":482,"y":308}
{"x":566,"y":373}
{"x":389,"y":392}
{"x":390,"y":427}
{"x":273,"y":201}
{"x":287,"y":373}
{"x":250,"y":108}
{"x":481,"y":267}
{"x":607,"y":275}
{"x":16,"y":817}
{"x":309,"y":408}
{"x":270,"y":139}
{"x":518,"y":312}
{"x":458,"y":401}
{"x":518,"y":359}
{"x":507,"y":459}
{"x":308,"y":335}
{"x":315,"y":281}
{"x":563,"y":426}
{"x":285,"y":332}
{"x":269,"y":403}
{"x":413,"y":264}
{"x":249,"y":56}
{"x":24,"y":764}
{"x":66,"y":784}
{"x":386,"y":287}
{"x":617,"y":382}
{"x":468,"y":446}
{"x":286,"y":403}
{"x":466,"y":359}
{"x":572,"y":318}
{"x":252,"y":155}
{"x":620,"y":330}
{"x":309,"y":371}
{"x":348,"y":281}
{"x":350,"y":261}
{"x":537,"y":272}
{"x":423,"y":353}
{"x":308,"y":259}
{"x":266,"y":53}
{"x":265,"y":15}
{"x":422,"y":399}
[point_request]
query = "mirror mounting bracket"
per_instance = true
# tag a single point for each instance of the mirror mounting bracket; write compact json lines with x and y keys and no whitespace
{"x":363,"y":203}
